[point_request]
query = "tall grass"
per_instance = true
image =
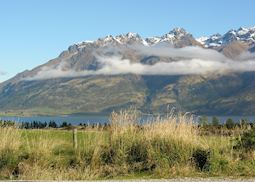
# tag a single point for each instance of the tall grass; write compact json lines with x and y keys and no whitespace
{"x":10,"y":143}
{"x":10,"y":138}
{"x":162,"y":147}
{"x":163,"y":143}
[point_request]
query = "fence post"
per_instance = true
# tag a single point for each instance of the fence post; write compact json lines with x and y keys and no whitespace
{"x":75,"y":138}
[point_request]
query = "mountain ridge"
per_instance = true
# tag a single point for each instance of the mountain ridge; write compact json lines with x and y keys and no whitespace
{"x":176,"y":33}
{"x":212,"y":93}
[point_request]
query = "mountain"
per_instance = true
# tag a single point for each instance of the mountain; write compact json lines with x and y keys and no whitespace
{"x":78,"y":81}
{"x":246,"y":35}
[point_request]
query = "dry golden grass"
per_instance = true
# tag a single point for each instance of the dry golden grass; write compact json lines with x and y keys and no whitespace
{"x":10,"y":138}
{"x":161,"y":147}
{"x":180,"y":127}
{"x":177,"y":127}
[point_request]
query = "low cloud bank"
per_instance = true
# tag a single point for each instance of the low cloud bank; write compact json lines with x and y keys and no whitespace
{"x":189,"y":60}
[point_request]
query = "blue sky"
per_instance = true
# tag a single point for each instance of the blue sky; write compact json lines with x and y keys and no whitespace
{"x":35,"y":31}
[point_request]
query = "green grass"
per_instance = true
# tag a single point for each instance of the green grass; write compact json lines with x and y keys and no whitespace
{"x":85,"y":138}
{"x":167,"y":148}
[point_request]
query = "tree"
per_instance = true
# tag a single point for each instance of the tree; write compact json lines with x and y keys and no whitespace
{"x":215,"y":121}
{"x":64,"y":124}
{"x":53,"y":124}
{"x":230,"y":123}
{"x":25,"y":125}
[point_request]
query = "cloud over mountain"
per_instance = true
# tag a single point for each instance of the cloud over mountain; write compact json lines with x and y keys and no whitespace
{"x":187,"y":60}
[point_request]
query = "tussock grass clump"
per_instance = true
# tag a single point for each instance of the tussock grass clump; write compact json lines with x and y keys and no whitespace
{"x":10,"y":143}
{"x":161,"y":143}
{"x":10,"y":138}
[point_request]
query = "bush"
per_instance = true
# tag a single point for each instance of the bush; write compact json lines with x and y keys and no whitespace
{"x":170,"y":150}
{"x":137,"y":153}
{"x":107,"y":155}
{"x":9,"y":161}
{"x":201,"y":159}
{"x":219,"y":164}
{"x":246,"y":141}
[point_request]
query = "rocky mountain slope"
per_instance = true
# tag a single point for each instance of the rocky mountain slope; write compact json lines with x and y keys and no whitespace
{"x":81,"y":81}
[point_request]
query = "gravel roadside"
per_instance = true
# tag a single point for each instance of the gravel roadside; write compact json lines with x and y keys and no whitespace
{"x":185,"y":180}
{"x":149,"y":180}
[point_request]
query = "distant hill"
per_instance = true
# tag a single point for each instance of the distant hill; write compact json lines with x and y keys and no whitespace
{"x":77,"y":81}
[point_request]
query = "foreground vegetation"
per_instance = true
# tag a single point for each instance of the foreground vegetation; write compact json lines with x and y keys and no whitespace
{"x":165,"y":147}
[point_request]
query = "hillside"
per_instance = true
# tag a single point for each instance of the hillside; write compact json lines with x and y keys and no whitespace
{"x":119,"y":71}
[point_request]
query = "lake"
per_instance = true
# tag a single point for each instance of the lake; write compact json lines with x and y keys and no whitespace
{"x":76,"y":120}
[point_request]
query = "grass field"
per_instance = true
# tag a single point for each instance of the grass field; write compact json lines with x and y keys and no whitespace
{"x":171,"y":147}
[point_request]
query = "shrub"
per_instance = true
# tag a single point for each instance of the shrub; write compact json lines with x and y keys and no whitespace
{"x":8,"y":159}
{"x":246,"y":141}
{"x":201,"y":159}
{"x":137,"y":153}
{"x":107,"y":155}
{"x":219,"y":164}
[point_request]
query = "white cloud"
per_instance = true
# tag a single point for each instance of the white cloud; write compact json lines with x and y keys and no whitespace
{"x":191,"y":52}
{"x":191,"y":60}
{"x":247,"y":56}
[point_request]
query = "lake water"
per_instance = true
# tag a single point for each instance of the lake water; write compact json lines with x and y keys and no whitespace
{"x":76,"y":120}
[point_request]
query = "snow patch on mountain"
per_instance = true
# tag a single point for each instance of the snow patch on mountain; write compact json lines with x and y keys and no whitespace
{"x":175,"y":35}
{"x":241,"y":34}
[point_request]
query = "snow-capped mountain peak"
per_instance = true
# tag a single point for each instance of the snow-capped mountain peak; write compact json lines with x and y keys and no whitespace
{"x":175,"y":36}
{"x":178,"y":31}
{"x":124,"y":38}
{"x":153,"y":40}
{"x":242,"y":31}
{"x":202,"y":39}
{"x":241,"y":34}
{"x":132,"y":35}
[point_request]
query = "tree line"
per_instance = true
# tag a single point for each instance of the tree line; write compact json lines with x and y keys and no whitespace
{"x":50,"y":124}
{"x":204,"y":122}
